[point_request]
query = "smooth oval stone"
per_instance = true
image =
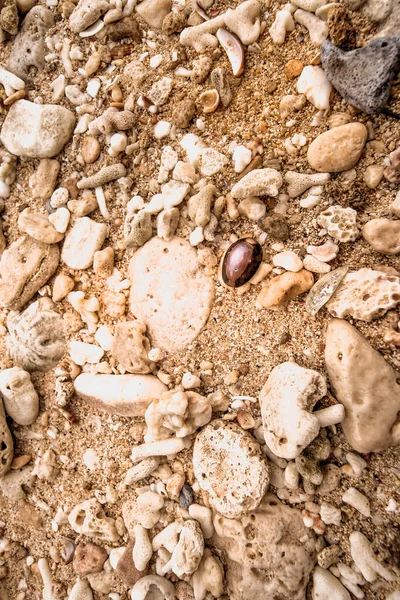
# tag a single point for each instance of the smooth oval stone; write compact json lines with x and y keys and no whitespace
{"x":383,"y":235}
{"x":338,"y":149}
{"x":241,"y":261}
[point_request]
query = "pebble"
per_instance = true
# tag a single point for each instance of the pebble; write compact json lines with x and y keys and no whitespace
{"x":82,"y":241}
{"x":103,"y":262}
{"x":59,"y":197}
{"x":233,"y":491}
{"x":90,"y":149}
{"x":43,"y":181}
{"x":60,"y":219}
{"x":276,"y":226}
{"x":137,"y":228}
{"x":36,"y":130}
{"x":17,"y":285}
{"x":153,"y":12}
{"x":186,"y":496}
{"x":293,"y":69}
{"x":383,"y":235}
{"x":21,"y":401}
{"x":253,"y":208}
{"x":340,"y":223}
{"x":124,"y":395}
{"x":131,"y":347}
{"x":373,"y":176}
{"x":170,"y":292}
{"x":324,"y":253}
{"x":278,"y":291}
{"x":82,"y":353}
{"x":338,"y":149}
{"x":314,"y":84}
{"x":260,"y":182}
{"x":356,"y":371}
{"x":363,"y":77}
{"x":288,"y":260}
{"x":39,"y":227}
{"x":327,"y":586}
{"x":88,"y":558}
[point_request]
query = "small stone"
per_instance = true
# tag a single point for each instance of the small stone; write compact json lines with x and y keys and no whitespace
{"x":288,"y":260}
{"x":174,"y":22}
{"x":59,"y":197}
{"x":363,"y":77}
{"x":183,"y":113}
{"x":82,"y":241}
{"x":131,"y":347}
{"x":329,"y":556}
{"x":199,"y":205}
{"x":314,"y":265}
{"x":90,"y":149}
{"x":323,"y":290}
{"x":89,"y":558}
{"x":113,"y":303}
{"x":212,"y":162}
{"x":25,"y":267}
{"x":175,"y":306}
{"x":60,"y":219}
{"x":36,"y":130}
{"x":63,"y":285}
{"x":253,"y":208}
{"x":38,"y":227}
{"x":167,"y":223}
{"x":278,"y":291}
{"x":186,"y":496}
{"x":103,"y":262}
{"x":232,"y":491}
{"x":276,"y":226}
{"x":43,"y":181}
{"x":81,"y":208}
{"x":137,"y":228}
{"x":373,"y":176}
{"x":86,"y":13}
{"x":293,"y":68}
{"x":383,"y":235}
{"x":338,"y":149}
{"x":36,"y":340}
{"x":260,"y":182}
{"x":220,"y":81}
{"x":153,"y":12}
{"x":82,"y":353}
{"x":201,"y":68}
{"x":324,"y":253}
{"x":126,"y":569}
{"x":340,"y":223}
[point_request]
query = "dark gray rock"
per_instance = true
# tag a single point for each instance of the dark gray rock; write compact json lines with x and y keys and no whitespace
{"x":363,"y":77}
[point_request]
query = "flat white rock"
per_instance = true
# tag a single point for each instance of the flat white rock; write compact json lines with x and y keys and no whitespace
{"x":170,"y":292}
{"x":124,"y":395}
{"x":82,"y":241}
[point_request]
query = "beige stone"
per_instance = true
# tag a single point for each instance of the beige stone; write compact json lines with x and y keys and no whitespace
{"x":124,"y":395}
{"x":366,"y":385}
{"x":170,"y":292}
{"x":90,"y":149}
{"x":270,"y":553}
{"x":279,"y":290}
{"x":383,"y":235}
{"x":338,"y":149}
{"x":103,"y":262}
{"x":43,"y":181}
{"x":113,"y":303}
{"x":38,"y":226}
{"x":373,"y":176}
{"x":63,"y":285}
{"x":131,"y":347}
{"x":154,"y":11}
{"x":82,"y":241}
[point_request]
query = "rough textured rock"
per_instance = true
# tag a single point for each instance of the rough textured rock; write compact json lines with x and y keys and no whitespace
{"x":338,"y":149}
{"x":82,"y":241}
{"x":260,"y":182}
{"x":29,"y":48}
{"x":126,"y":569}
{"x":230,"y":468}
{"x":37,"y":130}
{"x":366,"y":385}
{"x":340,"y":223}
{"x":86,"y":13}
{"x":365,"y":294}
{"x":269,"y":552}
{"x":170,"y":292}
{"x":38,"y":226}
{"x":89,"y":558}
{"x":363,"y":77}
{"x":286,"y":400}
{"x":20,"y":398}
{"x":276,"y":294}
{"x":88,"y":518}
{"x":154,"y":11}
{"x":36,"y":340}
{"x":125,"y":395}
{"x":383,"y":235}
{"x":131,"y":347}
{"x":25,"y":267}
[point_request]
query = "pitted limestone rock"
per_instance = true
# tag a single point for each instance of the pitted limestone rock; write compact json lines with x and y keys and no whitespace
{"x":365,"y":294}
{"x":36,"y":340}
{"x":131,"y":347}
{"x":287,"y":400}
{"x":88,"y":518}
{"x":230,"y":468}
{"x":340,"y":223}
{"x":366,"y":385}
{"x":269,"y":552}
{"x":20,"y":398}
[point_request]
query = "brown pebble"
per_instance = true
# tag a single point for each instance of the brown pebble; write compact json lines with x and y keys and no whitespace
{"x":121,"y":51}
{"x":29,"y":515}
{"x":293,"y":68}
{"x":245,"y":419}
{"x":126,"y":570}
{"x":20,"y":461}
{"x":276,"y":226}
{"x":90,"y":149}
{"x":14,"y":97}
{"x":89,"y":558}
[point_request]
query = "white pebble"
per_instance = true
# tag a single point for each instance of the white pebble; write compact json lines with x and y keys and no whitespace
{"x":91,"y":459}
{"x":358,"y":501}
{"x":241,"y":158}
{"x":60,"y":219}
{"x":93,"y":87}
{"x":196,"y":237}
{"x":155,"y":61}
{"x":59,"y":197}
{"x":190,"y":381}
{"x":82,"y":353}
{"x":161,"y":129}
{"x":118,"y":143}
{"x":104,"y":337}
{"x":288,"y":260}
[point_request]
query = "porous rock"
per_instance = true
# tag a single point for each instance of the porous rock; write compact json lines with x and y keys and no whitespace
{"x":365,"y":294}
{"x":125,"y":395}
{"x":170,"y":292}
{"x":286,"y":400}
{"x":37,"y":130}
{"x":260,"y":182}
{"x":338,"y":149}
{"x":36,"y":340}
{"x":20,"y":398}
{"x":383,"y":235}
{"x":340,"y":223}
{"x":230,"y":469}
{"x":89,"y":558}
{"x":269,"y":552}
{"x":81,"y":242}
{"x":366,"y":385}
{"x":126,"y":569}
{"x":25,"y":267}
{"x":88,"y":518}
{"x":363,"y":77}
{"x":29,"y":48}
{"x":131,"y":347}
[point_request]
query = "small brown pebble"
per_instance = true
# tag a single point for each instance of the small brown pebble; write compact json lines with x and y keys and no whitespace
{"x":174,"y":22}
{"x":70,"y":185}
{"x":29,"y":515}
{"x":89,"y":558}
{"x":245,"y":419}
{"x":341,"y":30}
{"x":240,"y":262}
{"x":14,"y":97}
{"x":126,"y":569}
{"x":293,"y":68}
{"x":271,"y":86}
{"x":116,"y":94}
{"x":174,"y":485}
{"x":90,"y":149}
{"x":127,"y":28}
{"x":276,"y":226}
{"x":184,"y":113}
{"x":20,"y":461}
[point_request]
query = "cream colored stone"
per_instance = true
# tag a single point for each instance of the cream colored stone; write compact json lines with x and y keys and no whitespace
{"x":259,"y":182}
{"x":338,"y":149}
{"x":131,"y":347}
{"x":278,"y":291}
{"x":63,"y":285}
{"x":383,"y":235}
{"x":288,"y":260}
{"x":373,"y":176}
{"x":366,"y":385}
